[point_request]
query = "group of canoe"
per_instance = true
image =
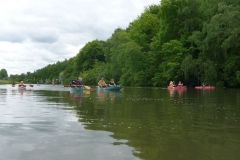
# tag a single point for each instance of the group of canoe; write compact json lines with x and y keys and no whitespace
{"x":112,"y":86}
{"x":78,"y":85}
{"x":181,"y":87}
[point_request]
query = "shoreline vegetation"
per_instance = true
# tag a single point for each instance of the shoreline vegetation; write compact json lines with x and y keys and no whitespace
{"x":177,"y":40}
{"x":5,"y":82}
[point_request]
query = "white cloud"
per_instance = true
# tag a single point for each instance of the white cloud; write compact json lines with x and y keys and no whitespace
{"x":34,"y":34}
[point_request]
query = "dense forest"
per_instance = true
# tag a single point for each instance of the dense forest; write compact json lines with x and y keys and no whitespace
{"x":193,"y":41}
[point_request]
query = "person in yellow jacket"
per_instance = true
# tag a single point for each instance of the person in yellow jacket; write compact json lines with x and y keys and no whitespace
{"x":102,"y":83}
{"x":171,"y":84}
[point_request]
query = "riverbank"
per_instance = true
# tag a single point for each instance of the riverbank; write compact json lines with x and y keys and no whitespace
{"x":5,"y":82}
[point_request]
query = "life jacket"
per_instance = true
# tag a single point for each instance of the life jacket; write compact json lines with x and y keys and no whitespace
{"x":102,"y":82}
{"x":79,"y":82}
{"x":73,"y":82}
{"x":111,"y":83}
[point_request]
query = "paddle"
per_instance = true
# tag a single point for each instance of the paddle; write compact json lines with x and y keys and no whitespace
{"x":72,"y":85}
{"x":22,"y":85}
{"x":31,"y":85}
{"x":87,"y":87}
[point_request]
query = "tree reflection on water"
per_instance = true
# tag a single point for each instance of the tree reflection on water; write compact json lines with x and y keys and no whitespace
{"x":108,"y":95}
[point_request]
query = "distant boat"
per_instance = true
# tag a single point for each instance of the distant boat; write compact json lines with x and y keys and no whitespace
{"x":204,"y":87}
{"x":117,"y":87}
{"x":177,"y":87}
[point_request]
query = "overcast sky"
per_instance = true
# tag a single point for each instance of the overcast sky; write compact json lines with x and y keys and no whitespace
{"x":35,"y":33}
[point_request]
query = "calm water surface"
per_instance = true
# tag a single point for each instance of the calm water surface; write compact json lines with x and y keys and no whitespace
{"x":55,"y":123}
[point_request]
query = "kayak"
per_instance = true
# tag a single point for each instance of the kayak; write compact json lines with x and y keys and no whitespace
{"x":117,"y":87}
{"x":22,"y":87}
{"x":177,"y":88}
{"x":205,"y":87}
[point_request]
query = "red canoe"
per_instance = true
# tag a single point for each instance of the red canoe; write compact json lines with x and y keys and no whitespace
{"x":177,"y":88}
{"x":205,"y":87}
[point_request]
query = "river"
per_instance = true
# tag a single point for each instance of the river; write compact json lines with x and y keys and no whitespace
{"x":52,"y":123}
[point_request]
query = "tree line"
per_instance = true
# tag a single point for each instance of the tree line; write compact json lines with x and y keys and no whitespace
{"x":3,"y":74}
{"x":192,"y":41}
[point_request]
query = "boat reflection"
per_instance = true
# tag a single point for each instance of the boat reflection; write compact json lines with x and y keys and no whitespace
{"x":109,"y":95}
{"x":23,"y":91}
{"x":172,"y":93}
{"x":76,"y":90}
{"x":14,"y":92}
{"x":77,"y":95}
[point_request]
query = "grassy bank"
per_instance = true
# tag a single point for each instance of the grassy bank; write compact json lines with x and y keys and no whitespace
{"x":5,"y":82}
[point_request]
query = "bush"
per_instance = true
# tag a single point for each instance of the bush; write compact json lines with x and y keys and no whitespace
{"x":220,"y":84}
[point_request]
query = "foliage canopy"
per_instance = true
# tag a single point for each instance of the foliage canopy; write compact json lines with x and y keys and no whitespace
{"x":192,"y":41}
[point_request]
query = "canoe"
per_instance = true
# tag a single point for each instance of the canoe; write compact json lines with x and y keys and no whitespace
{"x":177,"y":88}
{"x":205,"y":87}
{"x":117,"y":87}
{"x":76,"y":89}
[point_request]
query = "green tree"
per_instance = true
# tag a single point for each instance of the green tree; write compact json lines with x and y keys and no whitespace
{"x":203,"y":69}
{"x":132,"y":62}
{"x":127,"y":59}
{"x":144,"y":28}
{"x":171,"y":21}
{"x":219,"y":43}
{"x":113,"y":49}
{"x":99,"y":70}
{"x":170,"y":69}
{"x":3,"y":73}
{"x":87,"y":55}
